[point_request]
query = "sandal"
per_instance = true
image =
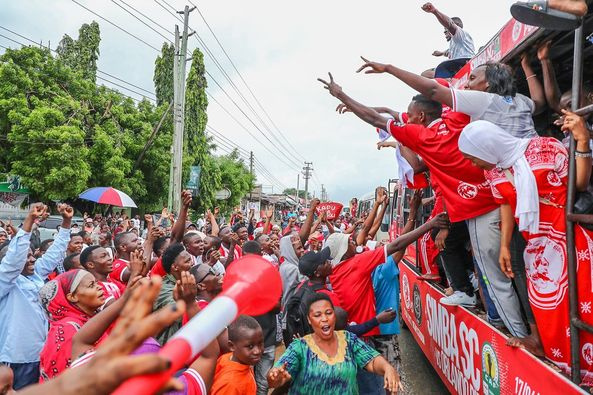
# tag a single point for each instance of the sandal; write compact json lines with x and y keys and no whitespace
{"x":537,"y":13}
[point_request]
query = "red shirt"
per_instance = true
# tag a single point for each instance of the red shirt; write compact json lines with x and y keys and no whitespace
{"x":111,"y":289}
{"x":224,"y":251}
{"x":464,"y":188}
{"x":119,"y":267}
{"x":352,"y":283}
{"x":158,"y":269}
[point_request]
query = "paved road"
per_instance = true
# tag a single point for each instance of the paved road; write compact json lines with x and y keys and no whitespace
{"x":418,"y":375}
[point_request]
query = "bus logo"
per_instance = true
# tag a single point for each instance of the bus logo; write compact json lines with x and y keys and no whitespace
{"x":417,"y":304}
{"x":490,"y":370}
{"x":406,"y":291}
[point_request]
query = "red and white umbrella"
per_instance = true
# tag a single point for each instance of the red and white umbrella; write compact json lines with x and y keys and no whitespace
{"x":108,"y":195}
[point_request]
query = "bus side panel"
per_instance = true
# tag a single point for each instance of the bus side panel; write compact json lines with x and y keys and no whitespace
{"x":469,"y":355}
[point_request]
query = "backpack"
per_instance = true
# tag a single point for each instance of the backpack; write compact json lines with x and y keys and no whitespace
{"x":296,"y":309}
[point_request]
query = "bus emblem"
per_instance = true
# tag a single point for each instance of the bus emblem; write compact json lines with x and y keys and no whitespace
{"x":490,"y":370}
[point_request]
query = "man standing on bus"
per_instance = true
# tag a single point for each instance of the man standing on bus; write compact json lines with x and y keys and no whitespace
{"x":461,"y":44}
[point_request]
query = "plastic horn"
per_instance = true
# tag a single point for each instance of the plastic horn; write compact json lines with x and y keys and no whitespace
{"x":251,"y":286}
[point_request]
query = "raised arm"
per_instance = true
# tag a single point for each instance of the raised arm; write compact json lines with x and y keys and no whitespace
{"x":306,"y":229}
{"x":551,"y":88}
{"x":425,"y":86}
{"x":415,"y":203}
{"x":55,"y":253}
{"x":361,"y":238}
{"x":213,"y":223}
{"x":536,"y":90}
{"x":442,"y":18}
{"x":367,"y":114}
{"x":343,"y":109}
{"x":576,"y":126}
{"x":178,"y":228}
{"x":439,"y":221}
{"x":16,"y":257}
{"x":379,"y":217}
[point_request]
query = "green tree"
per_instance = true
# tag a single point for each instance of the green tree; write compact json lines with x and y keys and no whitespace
{"x":82,"y":54}
{"x":163,"y":75}
{"x":198,"y":146}
{"x":235,"y":176}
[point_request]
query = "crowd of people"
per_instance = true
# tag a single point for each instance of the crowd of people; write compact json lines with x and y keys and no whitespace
{"x":88,"y":309}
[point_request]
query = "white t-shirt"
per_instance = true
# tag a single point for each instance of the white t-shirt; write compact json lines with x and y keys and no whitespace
{"x":461,"y":45}
{"x":512,"y":114}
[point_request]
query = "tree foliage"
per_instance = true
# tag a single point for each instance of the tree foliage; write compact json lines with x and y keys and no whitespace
{"x":63,"y":133}
{"x":292,"y":192}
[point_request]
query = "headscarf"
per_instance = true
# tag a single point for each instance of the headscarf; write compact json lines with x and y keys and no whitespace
{"x":65,"y":319}
{"x":487,"y":141}
{"x":287,"y":251}
{"x":338,"y":245}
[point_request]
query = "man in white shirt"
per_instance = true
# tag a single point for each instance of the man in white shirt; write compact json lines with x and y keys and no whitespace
{"x":461,"y":44}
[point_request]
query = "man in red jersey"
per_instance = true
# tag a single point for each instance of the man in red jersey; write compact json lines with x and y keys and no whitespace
{"x":125,"y":243}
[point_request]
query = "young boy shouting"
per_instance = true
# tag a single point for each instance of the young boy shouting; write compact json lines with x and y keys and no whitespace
{"x":234,"y":371}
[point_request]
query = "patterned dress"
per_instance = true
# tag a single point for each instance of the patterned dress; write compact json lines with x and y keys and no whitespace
{"x":546,"y":255}
{"x":314,"y":372}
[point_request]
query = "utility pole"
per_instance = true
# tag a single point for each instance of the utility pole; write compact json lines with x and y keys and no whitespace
{"x":251,"y":171}
{"x":179,"y":62}
{"x":307,"y":174}
{"x":298,"y":199}
{"x":323,"y":194}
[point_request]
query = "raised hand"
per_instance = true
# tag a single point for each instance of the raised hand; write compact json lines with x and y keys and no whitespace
{"x":428,"y":7}
{"x":37,"y":210}
{"x":416,"y":200}
{"x":333,"y":88}
{"x":576,"y":125}
{"x":148,"y":218}
{"x":186,"y":289}
{"x":186,"y":198}
{"x":342,"y":108}
{"x":372,"y":67}
{"x":137,"y":264}
{"x":66,"y":211}
{"x":543,"y":52}
{"x":214,"y":257}
{"x":314,"y":203}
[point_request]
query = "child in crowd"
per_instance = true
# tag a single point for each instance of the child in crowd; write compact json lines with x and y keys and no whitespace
{"x":234,"y":371}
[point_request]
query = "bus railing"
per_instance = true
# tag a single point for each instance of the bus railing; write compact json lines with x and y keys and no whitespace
{"x":576,"y":324}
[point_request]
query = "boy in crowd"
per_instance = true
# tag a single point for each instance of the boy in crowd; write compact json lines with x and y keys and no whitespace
{"x":234,"y":370}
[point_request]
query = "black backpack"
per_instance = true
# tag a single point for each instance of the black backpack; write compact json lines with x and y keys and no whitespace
{"x":296,"y":309}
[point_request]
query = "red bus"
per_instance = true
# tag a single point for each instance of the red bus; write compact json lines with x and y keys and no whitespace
{"x":470,"y":355}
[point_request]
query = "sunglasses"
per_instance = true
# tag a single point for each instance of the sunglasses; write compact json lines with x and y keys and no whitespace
{"x":210,"y":271}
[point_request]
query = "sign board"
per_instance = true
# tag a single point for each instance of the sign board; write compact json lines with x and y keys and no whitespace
{"x":223,"y":194}
{"x":333,"y":209}
{"x":470,"y":356}
{"x":13,"y":185}
{"x":193,"y":184}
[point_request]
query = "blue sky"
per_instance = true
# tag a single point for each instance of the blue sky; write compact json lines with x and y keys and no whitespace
{"x":280,"y":48}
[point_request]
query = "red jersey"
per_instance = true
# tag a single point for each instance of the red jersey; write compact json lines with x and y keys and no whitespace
{"x":224,"y":251}
{"x":465,"y":190}
{"x":119,"y":267}
{"x":352,"y":283}
{"x":111,"y":290}
{"x":158,"y":269}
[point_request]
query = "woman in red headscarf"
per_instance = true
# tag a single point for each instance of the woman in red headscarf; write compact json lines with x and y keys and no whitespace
{"x":69,"y":301}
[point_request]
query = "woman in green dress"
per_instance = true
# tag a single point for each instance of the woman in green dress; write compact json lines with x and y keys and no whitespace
{"x":326,"y":361}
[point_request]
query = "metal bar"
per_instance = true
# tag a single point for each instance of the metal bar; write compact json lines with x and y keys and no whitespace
{"x":577,"y":75}
{"x":585,"y":110}
{"x":582,"y":325}
{"x":580,"y":218}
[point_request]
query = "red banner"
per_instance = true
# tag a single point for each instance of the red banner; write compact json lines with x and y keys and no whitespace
{"x":507,"y":39}
{"x":469,"y":355}
{"x":333,"y":209}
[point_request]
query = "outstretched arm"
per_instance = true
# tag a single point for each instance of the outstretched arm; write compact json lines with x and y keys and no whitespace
{"x":425,"y":86}
{"x":306,"y":229}
{"x":379,"y":217}
{"x":439,"y":221}
{"x":363,"y":112}
{"x":361,"y":239}
{"x":442,"y":18}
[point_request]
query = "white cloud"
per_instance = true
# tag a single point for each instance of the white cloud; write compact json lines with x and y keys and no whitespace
{"x":281,"y":48}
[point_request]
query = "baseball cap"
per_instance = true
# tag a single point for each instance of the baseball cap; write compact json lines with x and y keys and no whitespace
{"x":310,"y":261}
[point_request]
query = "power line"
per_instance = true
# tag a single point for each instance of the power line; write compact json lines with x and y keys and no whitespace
{"x":230,"y":81}
{"x":116,"y":26}
{"x":241,"y":77}
{"x":144,"y":23}
{"x":123,"y":87}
